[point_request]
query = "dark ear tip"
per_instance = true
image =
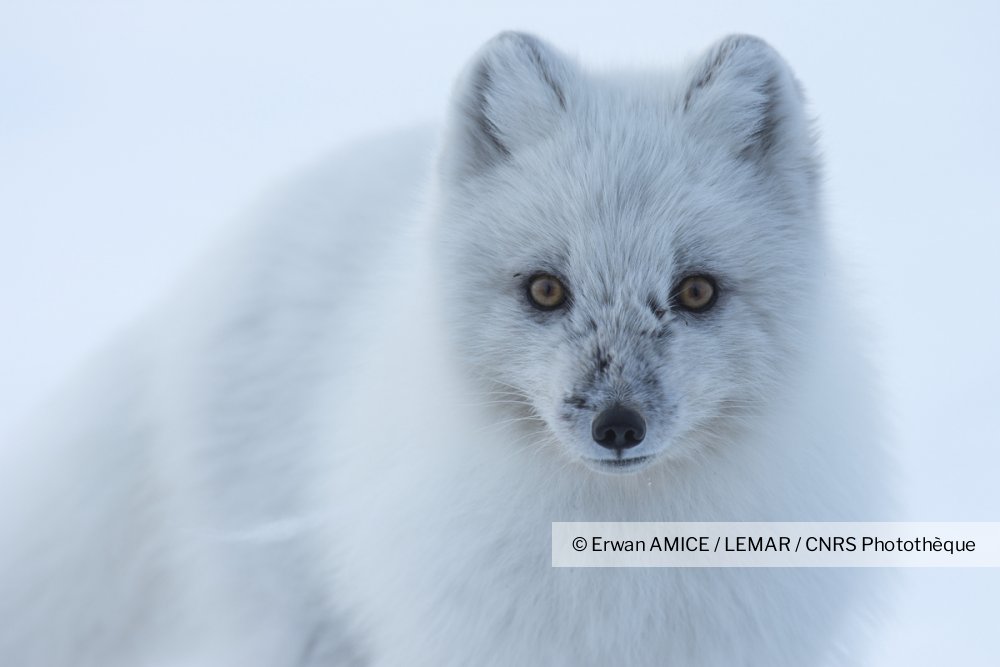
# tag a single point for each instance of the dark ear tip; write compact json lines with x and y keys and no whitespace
{"x":515,"y":44}
{"x":745,"y":42}
{"x":749,"y":49}
{"x":743,"y":38}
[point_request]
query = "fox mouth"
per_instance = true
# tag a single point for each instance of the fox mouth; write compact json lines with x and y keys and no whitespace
{"x":619,"y":466}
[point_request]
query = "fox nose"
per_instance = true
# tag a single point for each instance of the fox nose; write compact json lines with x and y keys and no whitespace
{"x":618,"y":428}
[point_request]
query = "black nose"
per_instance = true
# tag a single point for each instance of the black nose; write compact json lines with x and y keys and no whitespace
{"x":619,"y":427}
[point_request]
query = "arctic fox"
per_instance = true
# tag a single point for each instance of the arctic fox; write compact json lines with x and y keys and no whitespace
{"x":592,"y":296}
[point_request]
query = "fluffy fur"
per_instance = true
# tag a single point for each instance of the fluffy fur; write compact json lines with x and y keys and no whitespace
{"x":344,"y":442}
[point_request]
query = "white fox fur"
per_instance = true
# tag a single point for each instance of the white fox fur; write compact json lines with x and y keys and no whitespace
{"x":345,"y":440}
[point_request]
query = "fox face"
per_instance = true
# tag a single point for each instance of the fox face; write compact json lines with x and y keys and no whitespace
{"x":626,"y":265}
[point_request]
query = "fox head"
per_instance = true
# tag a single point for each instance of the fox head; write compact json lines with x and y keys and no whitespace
{"x":627,"y":262}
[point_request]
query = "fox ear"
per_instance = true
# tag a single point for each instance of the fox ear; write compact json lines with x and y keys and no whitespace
{"x":512,"y":94}
{"x":742,"y":93}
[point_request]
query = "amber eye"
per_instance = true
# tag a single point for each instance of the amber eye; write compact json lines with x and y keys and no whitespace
{"x":546,"y":292}
{"x":696,"y":293}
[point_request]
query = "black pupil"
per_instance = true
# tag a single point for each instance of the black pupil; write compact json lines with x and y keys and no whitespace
{"x":547,"y":292}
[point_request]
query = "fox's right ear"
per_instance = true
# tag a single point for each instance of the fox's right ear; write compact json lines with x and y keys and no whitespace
{"x":742,"y":94}
{"x":512,"y":94}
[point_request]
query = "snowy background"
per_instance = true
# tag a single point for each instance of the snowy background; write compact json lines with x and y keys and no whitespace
{"x":132,"y":132}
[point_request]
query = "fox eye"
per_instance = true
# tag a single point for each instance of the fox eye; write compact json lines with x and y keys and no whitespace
{"x":546,"y":292}
{"x":696,"y":294}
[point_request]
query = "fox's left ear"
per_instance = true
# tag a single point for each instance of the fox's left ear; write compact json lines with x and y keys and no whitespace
{"x":512,"y":94}
{"x":743,"y":94}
